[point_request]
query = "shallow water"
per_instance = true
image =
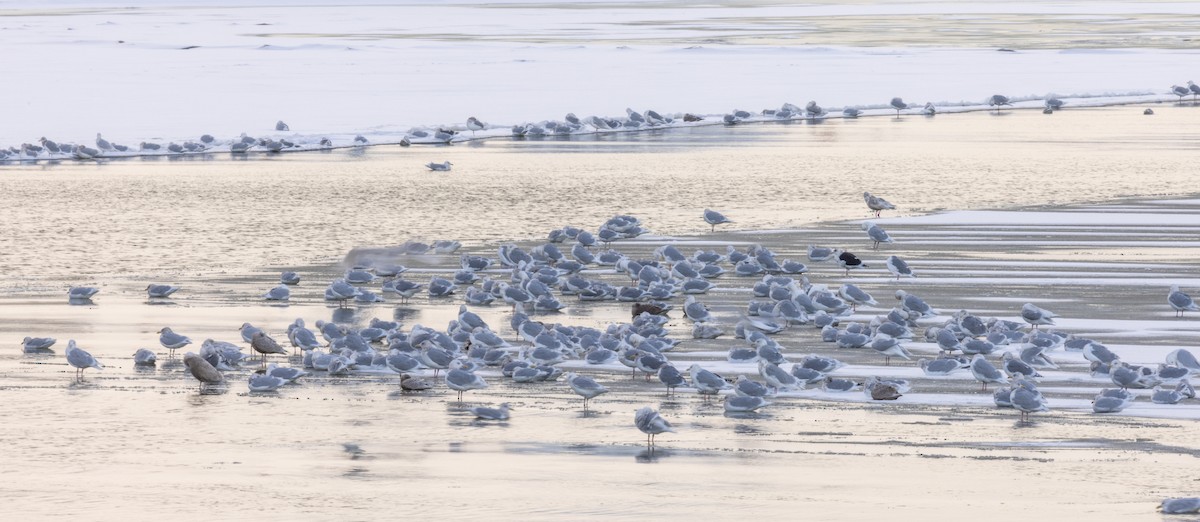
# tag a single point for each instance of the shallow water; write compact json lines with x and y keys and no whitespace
{"x":126,"y":440}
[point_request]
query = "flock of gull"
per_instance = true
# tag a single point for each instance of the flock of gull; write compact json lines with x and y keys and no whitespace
{"x":1006,"y":354}
{"x":46,"y":149}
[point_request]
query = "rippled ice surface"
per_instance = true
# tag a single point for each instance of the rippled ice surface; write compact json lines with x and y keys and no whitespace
{"x":145,"y":444}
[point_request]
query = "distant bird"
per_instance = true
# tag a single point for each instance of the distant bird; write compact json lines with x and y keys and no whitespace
{"x":998,"y":100}
{"x":1148,"y":112}
{"x":1175,"y":89}
{"x":475,"y":125}
{"x":850,"y":261}
{"x":649,"y":422}
{"x":1054,"y":104}
{"x":899,"y":105}
{"x":485,"y":413}
{"x":265,"y":345}
{"x":201,"y":369}
{"x":813,"y":110}
{"x":439,"y":167}
{"x":715,"y":218}
{"x":1194,"y":88}
{"x":81,"y":292}
{"x":281,"y":126}
{"x":876,"y":234}
{"x":80,"y":359}
{"x":585,"y":387}
{"x":1036,"y":316}
{"x":104,"y":145}
{"x":171,"y":340}
{"x":161,"y":290}
{"x":877,"y":204}
{"x":898,"y":267}
{"x":1181,"y":302}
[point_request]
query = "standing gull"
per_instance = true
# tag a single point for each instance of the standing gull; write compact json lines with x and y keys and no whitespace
{"x":461,"y":380}
{"x":649,"y":422}
{"x":81,"y":359}
{"x":899,"y":105}
{"x":849,"y":261}
{"x":201,"y":369}
{"x":876,"y":234}
{"x":877,"y":204}
{"x":985,"y":372}
{"x":585,"y":387}
{"x":715,"y":218}
{"x":1036,"y":316}
{"x":171,"y":340}
{"x":265,"y":345}
{"x":1175,"y":89}
{"x":1181,"y":302}
{"x":898,"y":267}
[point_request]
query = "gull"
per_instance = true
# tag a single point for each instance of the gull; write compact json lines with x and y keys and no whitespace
{"x":1027,"y":399}
{"x":941,"y":366}
{"x":260,"y":382}
{"x":849,"y":261}
{"x":1054,"y":104}
{"x":1180,"y":357}
{"x":649,"y":422}
{"x":161,"y":290}
{"x":461,"y":380}
{"x":671,"y":377}
{"x":929,"y":109}
{"x":876,"y":234}
{"x":289,"y":278}
{"x":265,"y":345}
{"x":856,"y":296}
{"x":696,"y":311}
{"x":1036,"y":316}
{"x":439,"y":167}
{"x":473,"y":124}
{"x":585,"y":387}
{"x":485,"y":413}
{"x":998,"y":100}
{"x":1164,"y":396}
{"x":201,"y":369}
{"x":715,"y":218}
{"x":284,"y":372}
{"x":1175,"y":89}
{"x":1194,"y":88}
{"x":740,"y":404}
{"x":776,"y":377}
{"x":898,"y":267}
{"x":747,"y":388}
{"x":81,"y":359}
{"x":706,"y":382}
{"x":889,"y":347}
{"x":279,"y":293}
{"x":1180,"y":506}
{"x":1181,"y":302}
{"x":877,"y":204}
{"x":1014,"y":367}
{"x":899,"y":105}
{"x":411,"y":383}
{"x":104,"y":145}
{"x":281,"y":126}
{"x":81,"y":292}
{"x":985,"y":372}
{"x":341,"y":291}
{"x":915,"y":306}
{"x":818,"y":254}
{"x":400,"y":362}
{"x":248,"y":330}
{"x":1111,"y":400}
{"x":882,"y":390}
{"x":144,"y":357}
{"x":35,"y":344}
{"x":171,"y":340}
